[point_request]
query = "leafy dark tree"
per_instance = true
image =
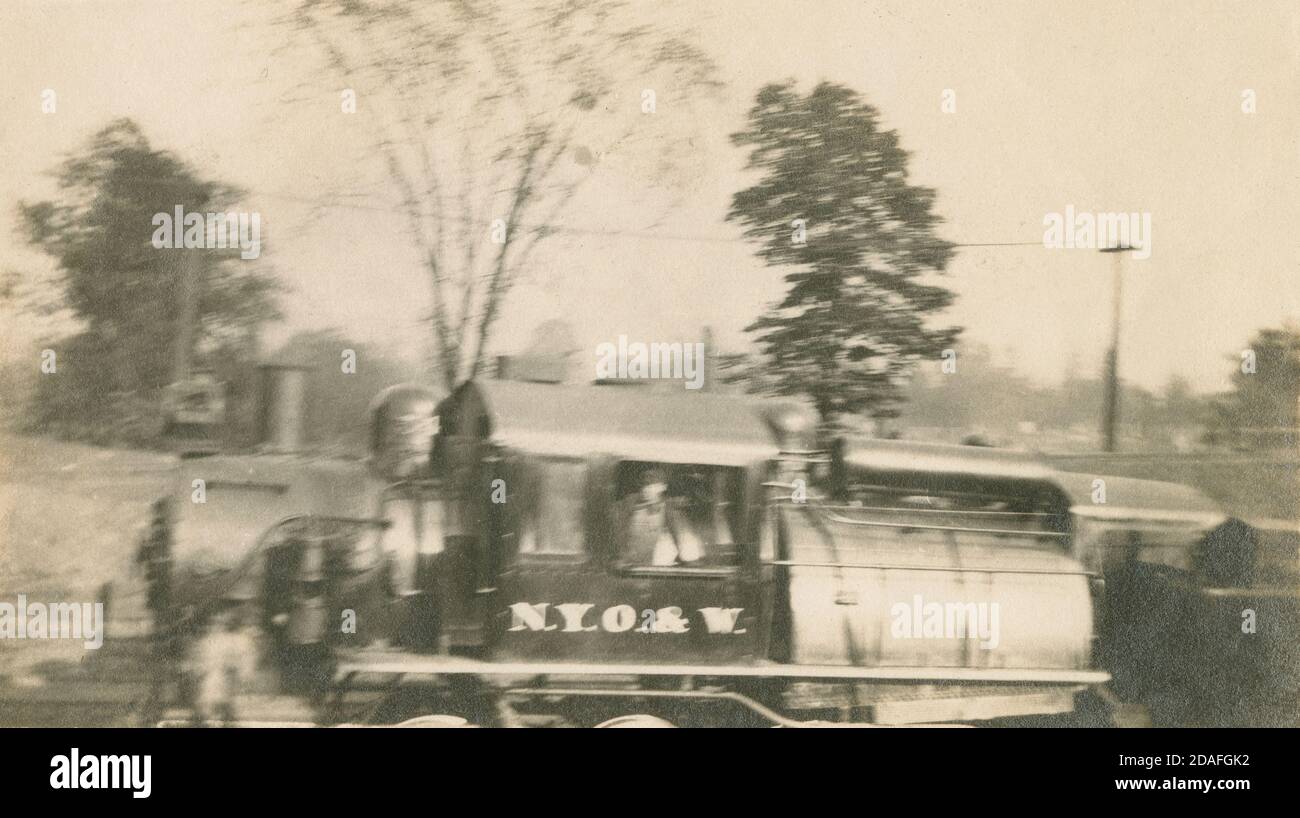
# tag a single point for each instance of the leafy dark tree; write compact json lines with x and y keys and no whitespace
{"x":834,"y":205}
{"x":1261,"y":411}
{"x":124,"y":292}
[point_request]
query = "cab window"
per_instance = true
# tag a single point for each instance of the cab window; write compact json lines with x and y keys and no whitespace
{"x":549,"y":497}
{"x":672,"y":515}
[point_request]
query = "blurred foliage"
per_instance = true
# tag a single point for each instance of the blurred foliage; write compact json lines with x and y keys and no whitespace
{"x":124,"y":292}
{"x":1263,"y":409}
{"x":854,"y":319}
{"x":501,"y":111}
{"x":991,"y":399}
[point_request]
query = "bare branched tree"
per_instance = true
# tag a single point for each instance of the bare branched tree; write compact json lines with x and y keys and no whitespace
{"x":489,"y":118}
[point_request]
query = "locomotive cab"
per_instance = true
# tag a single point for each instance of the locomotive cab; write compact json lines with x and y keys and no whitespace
{"x":602,"y":523}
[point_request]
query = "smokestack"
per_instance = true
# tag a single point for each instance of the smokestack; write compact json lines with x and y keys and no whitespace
{"x":281,"y":407}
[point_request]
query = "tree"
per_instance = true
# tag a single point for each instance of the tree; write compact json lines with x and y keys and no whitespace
{"x":124,"y":292}
{"x":1182,"y":406}
{"x":1262,"y":408}
{"x":489,"y":117}
{"x":978,"y":395}
{"x":834,"y":204}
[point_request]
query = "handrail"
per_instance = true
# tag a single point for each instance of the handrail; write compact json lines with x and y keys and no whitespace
{"x":925,"y":527}
{"x":882,"y":566}
{"x":228,"y":579}
{"x":967,"y":512}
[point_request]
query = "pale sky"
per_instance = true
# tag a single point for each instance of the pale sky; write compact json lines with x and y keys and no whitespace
{"x":1106,"y":106}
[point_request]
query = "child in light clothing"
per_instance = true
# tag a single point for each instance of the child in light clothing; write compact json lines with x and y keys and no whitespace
{"x":226,"y":660}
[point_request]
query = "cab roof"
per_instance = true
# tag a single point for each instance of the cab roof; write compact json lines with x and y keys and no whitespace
{"x":668,"y":425}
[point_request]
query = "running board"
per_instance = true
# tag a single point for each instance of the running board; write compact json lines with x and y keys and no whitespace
{"x":447,"y":666}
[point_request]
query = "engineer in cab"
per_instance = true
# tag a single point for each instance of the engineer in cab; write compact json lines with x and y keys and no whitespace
{"x":670,"y":521}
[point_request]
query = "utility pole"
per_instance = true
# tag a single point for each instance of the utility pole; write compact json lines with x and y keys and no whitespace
{"x":1110,"y":405}
{"x":194,"y":404}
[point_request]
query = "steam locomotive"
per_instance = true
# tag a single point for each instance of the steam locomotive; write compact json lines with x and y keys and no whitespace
{"x":541,"y":554}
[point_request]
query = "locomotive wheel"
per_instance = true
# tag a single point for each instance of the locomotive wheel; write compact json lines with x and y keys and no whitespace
{"x":638,"y":720}
{"x":440,"y":720}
